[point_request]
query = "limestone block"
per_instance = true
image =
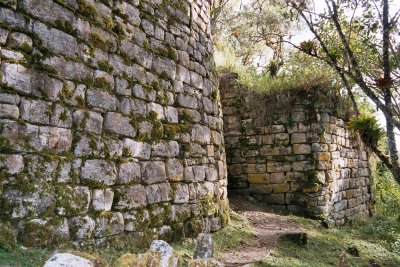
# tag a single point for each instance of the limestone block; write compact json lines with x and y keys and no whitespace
{"x":260,"y":189}
{"x":280,"y":188}
{"x":174,"y":170}
{"x":36,"y":111}
{"x":182,"y":74}
{"x":180,"y":193}
{"x":127,"y":106}
{"x":88,"y":121}
{"x":187,"y":101}
{"x":136,"y":220}
{"x":21,"y":203}
{"x":44,"y":232}
{"x":122,"y":87}
{"x":153,"y":172}
{"x":56,"y":40}
{"x":196,"y":80}
{"x":128,"y":172}
{"x":257,"y":178}
{"x":171,"y":114}
{"x":67,"y":260}
{"x":301,"y":149}
{"x":142,"y":93}
{"x":211,"y":173}
{"x":201,"y":134}
{"x":129,"y":197}
{"x":11,"y":55}
{"x":81,"y":227}
{"x":71,"y":70}
{"x":46,"y":10}
{"x":12,"y":99}
{"x":102,"y":199}
{"x":118,"y":124}
{"x":11,"y":164}
{"x":9,"y":111}
{"x":97,"y":172}
{"x":101,"y":99}
{"x":164,"y":66}
{"x":278,"y":167}
{"x":136,"y":149}
{"x":17,"y":77}
{"x":256,"y":168}
{"x":109,"y":223}
{"x":158,"y":109}
{"x":72,"y":200}
{"x":297,"y":138}
{"x":157,"y":193}
{"x":169,"y":149}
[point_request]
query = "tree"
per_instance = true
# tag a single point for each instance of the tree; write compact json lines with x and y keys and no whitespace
{"x":359,"y":39}
{"x":252,"y":28}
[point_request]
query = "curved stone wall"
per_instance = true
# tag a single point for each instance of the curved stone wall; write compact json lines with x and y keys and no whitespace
{"x":300,"y":156}
{"x":110,"y":124}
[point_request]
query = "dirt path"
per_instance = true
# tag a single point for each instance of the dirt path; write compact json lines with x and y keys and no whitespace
{"x":268,"y":227}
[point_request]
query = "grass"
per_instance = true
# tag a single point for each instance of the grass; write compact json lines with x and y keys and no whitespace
{"x":325,"y":246}
{"x":24,"y":257}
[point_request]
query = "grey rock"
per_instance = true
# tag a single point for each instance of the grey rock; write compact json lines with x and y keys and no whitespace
{"x":81,"y":227}
{"x":136,"y":149}
{"x":36,"y":111}
{"x":157,"y":193}
{"x":9,"y":111}
{"x":171,"y":114}
{"x":136,"y":220}
{"x":17,"y":77}
{"x":88,"y":121}
{"x":109,"y":223}
{"x":174,"y":170}
{"x":204,"y":247}
{"x":167,"y":256}
{"x":170,"y":149}
{"x":118,"y":124}
{"x":11,"y":164}
{"x":128,"y":172}
{"x":129,"y":197}
{"x":180,"y":193}
{"x":72,"y":200}
{"x":153,"y":172}
{"x":17,"y":40}
{"x":12,"y":99}
{"x":101,"y":99}
{"x":67,"y":260}
{"x":102,"y":199}
{"x":97,"y":172}
{"x":201,"y":134}
{"x":187,"y":101}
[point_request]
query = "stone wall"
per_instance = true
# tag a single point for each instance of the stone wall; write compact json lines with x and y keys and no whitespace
{"x":109,"y":121}
{"x":301,"y":155}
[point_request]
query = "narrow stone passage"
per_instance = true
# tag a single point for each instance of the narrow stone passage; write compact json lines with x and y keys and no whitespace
{"x":267,"y":226}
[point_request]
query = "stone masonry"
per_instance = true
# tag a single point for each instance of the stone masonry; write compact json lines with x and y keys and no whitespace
{"x":303,"y":157}
{"x":110,"y":125}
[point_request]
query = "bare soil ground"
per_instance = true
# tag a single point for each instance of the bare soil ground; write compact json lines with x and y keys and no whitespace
{"x":267,"y":226}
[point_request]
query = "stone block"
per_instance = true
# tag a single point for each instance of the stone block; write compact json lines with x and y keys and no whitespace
{"x":102,"y":199}
{"x":128,"y":172}
{"x":169,"y":149}
{"x":201,"y":134}
{"x":277,"y":199}
{"x":9,"y":111}
{"x":100,"y":99}
{"x":157,"y":193}
{"x":280,"y":188}
{"x":129,"y":197}
{"x":136,"y":220}
{"x":180,"y":193}
{"x":256,"y":178}
{"x":109,"y":223}
{"x":174,"y":170}
{"x":98,"y":173}
{"x":88,"y":121}
{"x":301,"y":149}
{"x":118,"y":124}
{"x":72,"y":200}
{"x":153,"y":172}
{"x":11,"y":164}
{"x":136,"y":149}
{"x":35,"y":111}
{"x":81,"y":227}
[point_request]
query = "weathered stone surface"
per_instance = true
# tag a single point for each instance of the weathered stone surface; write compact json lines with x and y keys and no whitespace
{"x":128,"y":172}
{"x":129,"y":197}
{"x":204,"y":247}
{"x":81,"y":227}
{"x":109,"y":223}
{"x":166,"y":253}
{"x":157,"y":193}
{"x":170,"y":149}
{"x":136,"y":149}
{"x":136,"y":220}
{"x":153,"y":172}
{"x":201,"y":134}
{"x":88,"y":121}
{"x":16,"y":76}
{"x":102,"y":199}
{"x":100,"y":99}
{"x":98,"y":172}
{"x":174,"y":170}
{"x":72,"y":200}
{"x":67,"y":260}
{"x":11,"y":164}
{"x":118,"y":124}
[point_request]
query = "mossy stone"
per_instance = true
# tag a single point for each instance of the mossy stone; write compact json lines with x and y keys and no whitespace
{"x":7,"y":237}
